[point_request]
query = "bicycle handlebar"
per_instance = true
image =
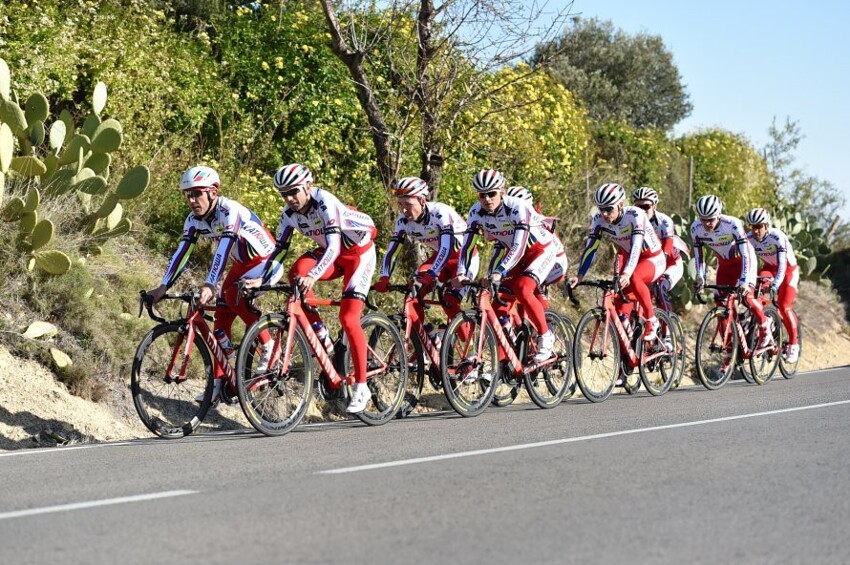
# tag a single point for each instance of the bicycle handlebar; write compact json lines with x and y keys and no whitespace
{"x":602,"y":284}
{"x":146,"y":303}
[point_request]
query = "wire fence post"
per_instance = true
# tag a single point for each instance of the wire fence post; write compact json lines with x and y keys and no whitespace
{"x":691,"y":183}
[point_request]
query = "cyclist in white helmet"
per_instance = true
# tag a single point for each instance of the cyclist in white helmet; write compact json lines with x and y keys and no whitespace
{"x":646,"y":199}
{"x":640,"y":260}
{"x":439,"y":227}
{"x":239,"y":235}
{"x":345,"y":248}
{"x":530,"y":255}
{"x":736,"y":258}
{"x":774,"y":249}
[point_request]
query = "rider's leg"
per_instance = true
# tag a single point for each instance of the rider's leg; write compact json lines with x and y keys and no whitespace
{"x":785,"y":301}
{"x":646,"y":272}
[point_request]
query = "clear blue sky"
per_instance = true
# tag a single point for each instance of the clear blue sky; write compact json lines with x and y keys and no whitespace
{"x":744,"y":62}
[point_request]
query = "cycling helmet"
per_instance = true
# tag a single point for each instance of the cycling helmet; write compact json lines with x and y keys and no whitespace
{"x":291,"y":176}
{"x":708,"y":207}
{"x":758,"y":216}
{"x":520,"y":192}
{"x":199,"y":177}
{"x":609,"y":194}
{"x":487,"y":180}
{"x":645,"y":193}
{"x":411,"y":186}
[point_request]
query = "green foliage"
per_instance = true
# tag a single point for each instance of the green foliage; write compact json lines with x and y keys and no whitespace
{"x":726,"y":164}
{"x":618,"y":76}
{"x":639,"y":157}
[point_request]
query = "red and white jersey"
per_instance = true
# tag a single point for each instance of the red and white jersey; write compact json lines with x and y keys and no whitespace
{"x":440,"y":228}
{"x":776,"y":251}
{"x":665,"y":229}
{"x":239,"y":232}
{"x":515,"y":225}
{"x":729,"y":241}
{"x":334,"y":227}
{"x":632,"y":233}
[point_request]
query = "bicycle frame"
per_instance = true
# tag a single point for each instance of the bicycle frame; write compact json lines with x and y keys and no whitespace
{"x":730,"y":302}
{"x":414,"y":323}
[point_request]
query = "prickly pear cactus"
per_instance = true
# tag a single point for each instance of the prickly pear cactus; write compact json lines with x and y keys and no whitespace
{"x":44,"y":157}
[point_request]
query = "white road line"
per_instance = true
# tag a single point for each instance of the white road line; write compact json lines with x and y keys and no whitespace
{"x":567,"y":440}
{"x":94,"y":503}
{"x":60,"y":449}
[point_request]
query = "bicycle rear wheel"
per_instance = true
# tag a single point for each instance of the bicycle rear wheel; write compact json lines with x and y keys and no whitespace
{"x":658,"y":365}
{"x":274,"y":400}
{"x":716,"y":348}
{"x":469,"y":379}
{"x":548,"y":386}
{"x":763,"y":365}
{"x":384,"y":350}
{"x":415,"y":372}
{"x":166,"y":401}
{"x":596,"y":355}
{"x":789,"y":370}
{"x":678,"y":332}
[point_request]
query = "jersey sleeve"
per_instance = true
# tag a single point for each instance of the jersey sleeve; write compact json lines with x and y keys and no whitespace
{"x":181,"y":256}
{"x":332,"y":220}
{"x":393,"y":250}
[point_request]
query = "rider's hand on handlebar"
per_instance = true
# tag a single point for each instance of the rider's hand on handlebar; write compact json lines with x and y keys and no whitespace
{"x":426,"y":279}
{"x":305,"y":284}
{"x":248,"y":284}
{"x":383,"y":285}
{"x":744,"y":288}
{"x":574,"y":281}
{"x":206,"y":294}
{"x":157,"y":293}
{"x":623,"y":281}
{"x":458,"y":281}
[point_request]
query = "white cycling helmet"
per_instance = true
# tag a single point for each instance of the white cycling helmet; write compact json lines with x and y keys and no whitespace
{"x":291,"y":176}
{"x":758,"y":216}
{"x":520,"y":192}
{"x":199,"y":177}
{"x":709,"y":207}
{"x":645,"y":193}
{"x":487,"y":180}
{"x":609,"y":194}
{"x":411,"y":186}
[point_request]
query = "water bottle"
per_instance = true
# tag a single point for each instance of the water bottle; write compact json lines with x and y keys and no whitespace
{"x":225,"y":343}
{"x":507,"y":326}
{"x":324,"y":336}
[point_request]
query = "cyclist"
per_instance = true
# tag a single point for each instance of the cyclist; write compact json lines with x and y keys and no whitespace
{"x":345,"y":239}
{"x":640,"y":260}
{"x":559,"y":269}
{"x":736,"y":258}
{"x":440,"y":228}
{"x":530,"y":254}
{"x":646,"y":199}
{"x":778,"y":261}
{"x":240,"y":235}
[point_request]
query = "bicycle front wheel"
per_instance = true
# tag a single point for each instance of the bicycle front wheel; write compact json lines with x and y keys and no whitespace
{"x":658,"y":363}
{"x":716,"y":348}
{"x":548,"y":386}
{"x":678,"y":333}
{"x":167,"y":375}
{"x":470,"y":376}
{"x":387,"y":365}
{"x":596,"y":354}
{"x":274,"y":397}
{"x":764,"y":361}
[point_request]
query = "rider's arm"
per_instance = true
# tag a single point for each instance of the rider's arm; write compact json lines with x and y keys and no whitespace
{"x":467,"y":247}
{"x":590,"y":248}
{"x":333,"y":240}
{"x":745,"y":250}
{"x":233,"y":224}
{"x":391,"y":256}
{"x":522,"y":232}
{"x":637,"y":245}
{"x":181,"y":255}
{"x":781,"y":260}
{"x":280,"y":249}
{"x":698,"y":254}
{"x":447,"y":238}
{"x":499,"y":251}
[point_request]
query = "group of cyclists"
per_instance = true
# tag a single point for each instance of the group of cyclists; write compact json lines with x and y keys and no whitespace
{"x":528,"y":255}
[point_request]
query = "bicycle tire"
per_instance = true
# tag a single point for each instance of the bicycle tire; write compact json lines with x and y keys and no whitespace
{"x":764,"y":365}
{"x":274,"y":403}
{"x":715,"y":362}
{"x":547,"y":386}
{"x":596,"y":371}
{"x":571,"y":331}
{"x":415,"y":374}
{"x":168,"y":408}
{"x":789,"y":370}
{"x":505,"y":393}
{"x":678,"y":330}
{"x":657,"y":375}
{"x":468,"y":381}
{"x":385,"y":347}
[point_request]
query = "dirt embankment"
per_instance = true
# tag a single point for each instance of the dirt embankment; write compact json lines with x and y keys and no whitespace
{"x":36,"y":410}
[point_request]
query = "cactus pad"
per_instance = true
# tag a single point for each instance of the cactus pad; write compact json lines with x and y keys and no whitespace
{"x":7,"y":147}
{"x":42,"y":234}
{"x":133,"y":183}
{"x":99,"y":98}
{"x":28,"y":166}
{"x":37,"y":108}
{"x":53,"y":262}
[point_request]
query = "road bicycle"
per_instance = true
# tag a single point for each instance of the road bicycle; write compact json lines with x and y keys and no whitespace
{"x":676,"y":326}
{"x":605,"y":349}
{"x":476,"y":354}
{"x":421,"y":350}
{"x":768,"y":299}
{"x":276,"y":392}
{"x":175,"y":362}
{"x":728,"y":336}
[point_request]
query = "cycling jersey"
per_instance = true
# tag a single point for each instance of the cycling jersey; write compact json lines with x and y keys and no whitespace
{"x":729,"y":241}
{"x":515,"y":225}
{"x":240,"y":235}
{"x":631,"y":234}
{"x":440,"y":228}
{"x":776,"y":252}
{"x":335,"y":227}
{"x":672,"y":244}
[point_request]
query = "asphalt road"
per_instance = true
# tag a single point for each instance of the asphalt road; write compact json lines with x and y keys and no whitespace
{"x":745,"y":474}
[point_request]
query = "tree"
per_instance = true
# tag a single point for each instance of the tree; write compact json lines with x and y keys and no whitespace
{"x":619,"y":77}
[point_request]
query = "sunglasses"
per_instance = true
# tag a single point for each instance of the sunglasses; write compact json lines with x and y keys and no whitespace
{"x":757,"y":226}
{"x":290,"y":193}
{"x":193,"y":194}
{"x":606,"y":209}
{"x":491,"y":194}
{"x":645,"y":207}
